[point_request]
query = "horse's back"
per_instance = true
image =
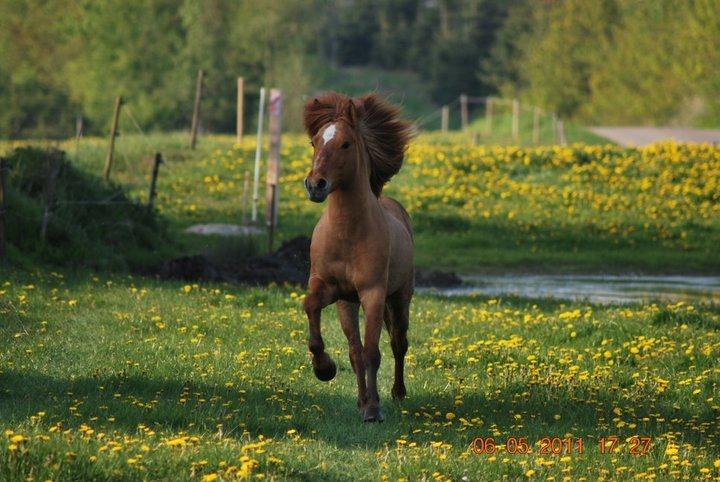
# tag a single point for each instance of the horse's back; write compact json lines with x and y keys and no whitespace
{"x":397,"y":211}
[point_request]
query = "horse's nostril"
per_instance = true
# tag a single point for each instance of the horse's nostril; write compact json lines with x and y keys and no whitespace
{"x":321,"y":184}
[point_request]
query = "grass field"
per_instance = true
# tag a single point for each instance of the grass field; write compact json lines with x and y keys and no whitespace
{"x":121,"y":378}
{"x":576,"y":209}
{"x":109,"y":376}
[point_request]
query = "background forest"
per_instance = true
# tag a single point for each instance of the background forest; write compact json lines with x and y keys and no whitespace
{"x":593,"y":61}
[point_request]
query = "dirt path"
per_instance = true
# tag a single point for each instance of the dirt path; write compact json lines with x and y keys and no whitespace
{"x":640,"y":136}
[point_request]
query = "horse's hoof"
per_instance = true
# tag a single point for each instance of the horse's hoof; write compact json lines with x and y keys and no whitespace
{"x":327,"y":371}
{"x":373,"y":414}
{"x":398,"y":392}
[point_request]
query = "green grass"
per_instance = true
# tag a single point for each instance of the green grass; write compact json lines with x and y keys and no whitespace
{"x":107,"y":376}
{"x":485,"y":208}
{"x":124,"y":378}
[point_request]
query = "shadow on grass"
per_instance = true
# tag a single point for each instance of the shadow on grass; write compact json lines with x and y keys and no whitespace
{"x":124,"y":402}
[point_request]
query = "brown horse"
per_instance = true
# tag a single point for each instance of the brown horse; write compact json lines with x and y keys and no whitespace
{"x":362,"y":247}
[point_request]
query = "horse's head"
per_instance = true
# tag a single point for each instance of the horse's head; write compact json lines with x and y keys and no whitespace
{"x":354,"y":140}
{"x":335,"y":160}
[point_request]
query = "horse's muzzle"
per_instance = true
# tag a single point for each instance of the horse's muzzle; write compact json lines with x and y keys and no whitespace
{"x":317,"y":191}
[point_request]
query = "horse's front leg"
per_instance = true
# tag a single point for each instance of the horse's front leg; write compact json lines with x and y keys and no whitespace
{"x":320,"y":295}
{"x":348,"y":313}
{"x":373,"y":303}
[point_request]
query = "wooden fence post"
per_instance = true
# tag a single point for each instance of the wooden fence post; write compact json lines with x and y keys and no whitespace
{"x":78,"y":127}
{"x":515,"y":119}
{"x":273,"y":213}
{"x":463,"y":111}
{"x":152,"y":193}
{"x":54,"y":165}
{"x":444,"y":118}
{"x":246,"y":190}
{"x":488,"y":115}
{"x":273,"y":168}
{"x":561,"y":133}
{"x":258,"y":153}
{"x":240,"y":98}
{"x":113,"y":134}
{"x":555,"y":127}
{"x":196,"y":109}
{"x":536,"y":125}
{"x":3,"y":203}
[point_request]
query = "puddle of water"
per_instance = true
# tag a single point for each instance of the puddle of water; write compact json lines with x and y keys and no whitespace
{"x":595,"y":289}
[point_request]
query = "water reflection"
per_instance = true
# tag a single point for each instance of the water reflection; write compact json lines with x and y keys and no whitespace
{"x":595,"y":289}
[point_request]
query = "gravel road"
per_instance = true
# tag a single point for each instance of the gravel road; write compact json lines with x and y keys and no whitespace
{"x":640,"y":136}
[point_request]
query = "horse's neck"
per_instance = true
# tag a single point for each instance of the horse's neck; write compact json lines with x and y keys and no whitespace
{"x":351,"y":210}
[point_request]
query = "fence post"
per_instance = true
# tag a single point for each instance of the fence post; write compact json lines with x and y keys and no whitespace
{"x":555,"y":127}
{"x":196,"y":109}
{"x":3,"y":203}
{"x":78,"y":127}
{"x":240,"y":98}
{"x":54,"y":165}
{"x":515,"y":119}
{"x":488,"y":115}
{"x":258,"y":153}
{"x":561,"y":133}
{"x":152,"y":194}
{"x":536,"y":125}
{"x":246,"y":190}
{"x":273,"y":168}
{"x":463,"y":111}
{"x":444,"y":118}
{"x":273,"y":213}
{"x":113,"y":134}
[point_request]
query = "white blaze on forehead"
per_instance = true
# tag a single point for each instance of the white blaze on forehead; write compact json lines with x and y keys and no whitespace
{"x":329,"y":133}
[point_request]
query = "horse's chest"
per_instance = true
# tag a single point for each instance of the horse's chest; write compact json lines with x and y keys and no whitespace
{"x":346,"y":276}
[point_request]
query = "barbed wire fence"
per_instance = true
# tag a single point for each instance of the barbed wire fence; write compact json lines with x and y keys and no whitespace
{"x":520,"y":118}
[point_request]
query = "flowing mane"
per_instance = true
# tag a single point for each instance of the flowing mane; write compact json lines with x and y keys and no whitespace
{"x":384,"y":133}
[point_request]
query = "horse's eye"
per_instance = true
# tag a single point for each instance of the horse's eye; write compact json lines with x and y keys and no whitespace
{"x":345,"y":145}
{"x":312,"y":143}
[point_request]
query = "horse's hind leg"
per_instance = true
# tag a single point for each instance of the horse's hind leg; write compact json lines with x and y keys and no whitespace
{"x":319,"y":297}
{"x":397,"y":327}
{"x":348,"y":313}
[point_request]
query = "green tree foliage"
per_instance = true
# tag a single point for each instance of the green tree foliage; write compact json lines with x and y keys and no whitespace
{"x":72,"y":57}
{"x":34,"y":47}
{"x":619,"y":61}
{"x":614,"y":61}
{"x":129,"y":49}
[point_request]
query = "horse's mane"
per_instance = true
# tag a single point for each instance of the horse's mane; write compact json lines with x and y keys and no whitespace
{"x":384,"y":133}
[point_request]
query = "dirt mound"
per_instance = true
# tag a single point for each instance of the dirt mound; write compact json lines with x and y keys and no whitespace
{"x":436,"y":279}
{"x":289,"y":264}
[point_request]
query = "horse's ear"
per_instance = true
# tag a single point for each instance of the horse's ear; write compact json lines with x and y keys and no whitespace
{"x":314,"y":115}
{"x":354,"y":111}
